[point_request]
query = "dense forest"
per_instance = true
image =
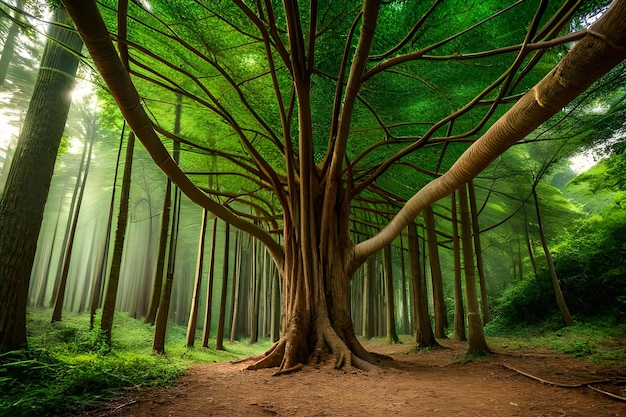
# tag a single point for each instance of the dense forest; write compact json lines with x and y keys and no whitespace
{"x":309,"y":175}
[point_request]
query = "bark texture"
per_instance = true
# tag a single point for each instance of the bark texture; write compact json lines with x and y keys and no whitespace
{"x":28,"y":181}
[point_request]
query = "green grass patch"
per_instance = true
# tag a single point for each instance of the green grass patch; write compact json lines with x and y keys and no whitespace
{"x":599,"y":339}
{"x":68,"y":368}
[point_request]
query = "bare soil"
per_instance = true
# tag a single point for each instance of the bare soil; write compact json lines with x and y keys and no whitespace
{"x":430,"y":383}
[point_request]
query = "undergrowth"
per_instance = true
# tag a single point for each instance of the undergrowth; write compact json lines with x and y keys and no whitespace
{"x":600,"y":339}
{"x":68,"y":368}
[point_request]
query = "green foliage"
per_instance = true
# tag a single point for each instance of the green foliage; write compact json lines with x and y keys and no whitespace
{"x":598,"y":338}
{"x":524,"y":303}
{"x":69,"y":368}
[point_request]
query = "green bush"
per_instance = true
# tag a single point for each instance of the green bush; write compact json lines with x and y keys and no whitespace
{"x":525,"y":302}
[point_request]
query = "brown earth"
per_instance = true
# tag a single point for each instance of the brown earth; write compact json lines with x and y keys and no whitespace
{"x":429,"y":383}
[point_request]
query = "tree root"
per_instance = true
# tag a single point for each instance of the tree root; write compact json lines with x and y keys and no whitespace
{"x":608,"y":394}
{"x":288,"y":371}
{"x":556,"y":384}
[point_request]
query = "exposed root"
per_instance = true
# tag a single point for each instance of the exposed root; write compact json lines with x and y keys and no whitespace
{"x":556,"y":384}
{"x":608,"y":394}
{"x":291,"y":370}
{"x":344,"y":357}
{"x":272,"y":358}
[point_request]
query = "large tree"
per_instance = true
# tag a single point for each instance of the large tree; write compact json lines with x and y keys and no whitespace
{"x":323,"y":109}
{"x":28,"y":181}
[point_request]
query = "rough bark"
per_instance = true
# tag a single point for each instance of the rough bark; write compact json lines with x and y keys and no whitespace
{"x":28,"y":181}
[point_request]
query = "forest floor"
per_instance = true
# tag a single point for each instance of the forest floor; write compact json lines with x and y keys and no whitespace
{"x":437,"y":382}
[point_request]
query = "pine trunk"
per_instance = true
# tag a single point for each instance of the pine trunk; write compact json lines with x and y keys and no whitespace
{"x":28,"y":182}
{"x":439,"y":304}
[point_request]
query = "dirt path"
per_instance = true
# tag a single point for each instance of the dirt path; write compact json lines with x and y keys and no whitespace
{"x":433,"y":383}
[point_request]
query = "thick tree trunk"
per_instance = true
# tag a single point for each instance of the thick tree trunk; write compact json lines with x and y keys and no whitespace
{"x":28,"y":181}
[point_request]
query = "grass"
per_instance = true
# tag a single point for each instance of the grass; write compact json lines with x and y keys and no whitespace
{"x":67,"y":368}
{"x":598,"y":339}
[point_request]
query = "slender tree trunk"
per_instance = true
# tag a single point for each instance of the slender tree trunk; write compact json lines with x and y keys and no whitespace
{"x":234,"y":309}
{"x":160,"y":326}
{"x":110,"y":296}
{"x":28,"y":182}
{"x":484,"y":301}
{"x":529,"y":246}
{"x":9,"y":44}
{"x":392,"y":335}
{"x":439,"y":304}
{"x":405,"y":306}
{"x":558,"y":294}
{"x":157,"y":284}
{"x":209,"y":290}
{"x":195,"y":298}
{"x":219,"y":343}
{"x":459,"y":310}
{"x":102,"y":270}
{"x":424,"y":335}
{"x":477,"y":344}
{"x":58,"y":305}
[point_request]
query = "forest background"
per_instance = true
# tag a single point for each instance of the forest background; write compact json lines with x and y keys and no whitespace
{"x":531,"y":205}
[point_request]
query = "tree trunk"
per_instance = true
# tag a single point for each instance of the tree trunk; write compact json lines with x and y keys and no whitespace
{"x":28,"y":182}
{"x":9,"y":44}
{"x":558,"y":294}
{"x":392,"y":335}
{"x":195,"y":298}
{"x":157,"y":284}
{"x":219,"y":343}
{"x":102,"y":270}
{"x":58,"y":305}
{"x":209,"y":290}
{"x":110,"y":296}
{"x":160,"y":326}
{"x":484,"y":302}
{"x":424,"y":336}
{"x":477,"y":345}
{"x":236,"y":290}
{"x":439,"y":303}
{"x":459,"y":310}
